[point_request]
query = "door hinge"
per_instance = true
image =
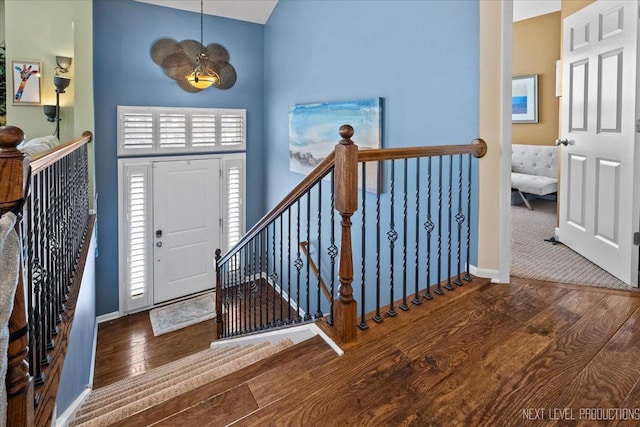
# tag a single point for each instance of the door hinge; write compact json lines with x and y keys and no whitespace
{"x":220,"y":222}
{"x":636,"y":239}
{"x":638,"y":126}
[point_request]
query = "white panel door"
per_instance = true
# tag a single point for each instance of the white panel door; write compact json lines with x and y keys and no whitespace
{"x":599,"y":200}
{"x":186,"y":195}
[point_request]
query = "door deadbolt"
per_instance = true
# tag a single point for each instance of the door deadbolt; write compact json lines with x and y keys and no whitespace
{"x":158,"y":234}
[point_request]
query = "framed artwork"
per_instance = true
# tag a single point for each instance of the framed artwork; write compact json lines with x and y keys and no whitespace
{"x":26,"y":82}
{"x":524,"y":99}
{"x":313,"y":132}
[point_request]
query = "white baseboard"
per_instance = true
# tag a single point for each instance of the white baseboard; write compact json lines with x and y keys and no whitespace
{"x":66,"y":417}
{"x":296,"y":334}
{"x":92,"y":369}
{"x":107,"y":317}
{"x":494,"y":275}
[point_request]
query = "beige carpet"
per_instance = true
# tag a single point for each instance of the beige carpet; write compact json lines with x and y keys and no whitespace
{"x":533,"y":258}
{"x":115,"y":402}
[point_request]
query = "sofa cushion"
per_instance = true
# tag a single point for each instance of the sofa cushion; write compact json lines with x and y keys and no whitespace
{"x":535,"y":160}
{"x":534,"y":184}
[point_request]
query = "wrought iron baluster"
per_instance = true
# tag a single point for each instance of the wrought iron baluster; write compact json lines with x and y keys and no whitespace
{"x":404,"y":305}
{"x":449,"y":221}
{"x":363,"y":321}
{"x":319,"y":296}
{"x":429,"y":227}
{"x":467,"y":275}
{"x":280,"y":297}
{"x":289,"y":265}
{"x":298,"y":264}
{"x":416,"y":295}
{"x":307,"y":312}
{"x":37,"y":279}
{"x":439,"y":290}
{"x":259,"y":253}
{"x":254,"y":283}
{"x":274,"y":274}
{"x":392,"y":236}
{"x":333,"y":249}
{"x":378,"y":318}
{"x":459,"y":219}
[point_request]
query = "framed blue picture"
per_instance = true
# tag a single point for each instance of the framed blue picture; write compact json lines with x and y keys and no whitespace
{"x":313,"y":132}
{"x":524,"y":99}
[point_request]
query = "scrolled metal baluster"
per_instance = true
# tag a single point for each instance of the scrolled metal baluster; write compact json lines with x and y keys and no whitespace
{"x":378,"y":318}
{"x":363,"y":321}
{"x":459,"y":219}
{"x":260,"y":254}
{"x":439,"y":290}
{"x":429,"y":227}
{"x":298,"y":264}
{"x":280,"y":296}
{"x":416,"y":295}
{"x":274,"y":274}
{"x":289,"y":265}
{"x":404,"y":305}
{"x":392,"y":236}
{"x":449,"y":221}
{"x":467,"y":275}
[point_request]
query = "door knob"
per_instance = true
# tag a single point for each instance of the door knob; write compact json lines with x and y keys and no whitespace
{"x":564,"y":142}
{"x":159,"y":244}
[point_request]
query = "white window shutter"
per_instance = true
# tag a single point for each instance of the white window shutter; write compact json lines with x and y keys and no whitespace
{"x":232,"y":129}
{"x":203,"y":129}
{"x":135,"y":131}
{"x":234,"y":182}
{"x":172,"y":130}
{"x":160,"y":130}
{"x":138,"y":254}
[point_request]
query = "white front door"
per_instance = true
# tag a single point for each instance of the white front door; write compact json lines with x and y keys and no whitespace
{"x":186,"y":229}
{"x":599,"y":187}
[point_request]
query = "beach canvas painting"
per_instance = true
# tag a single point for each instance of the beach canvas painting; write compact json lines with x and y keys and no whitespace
{"x":524,"y":99}
{"x":313,"y":132}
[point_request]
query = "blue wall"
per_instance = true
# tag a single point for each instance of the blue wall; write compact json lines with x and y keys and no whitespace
{"x":76,"y":372}
{"x":421,"y":57}
{"x":124,"y":74}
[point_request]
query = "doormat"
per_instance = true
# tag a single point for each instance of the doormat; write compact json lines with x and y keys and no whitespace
{"x":182,"y":314}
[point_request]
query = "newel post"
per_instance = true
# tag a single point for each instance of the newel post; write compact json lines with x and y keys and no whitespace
{"x":346,"y":203}
{"x":218,"y":295}
{"x":14,"y":174}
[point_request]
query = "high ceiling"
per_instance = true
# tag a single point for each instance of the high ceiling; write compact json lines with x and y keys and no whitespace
{"x":525,"y":9}
{"x":257,"y":11}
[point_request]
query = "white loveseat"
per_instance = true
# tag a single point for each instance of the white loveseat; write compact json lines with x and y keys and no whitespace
{"x":534,"y":170}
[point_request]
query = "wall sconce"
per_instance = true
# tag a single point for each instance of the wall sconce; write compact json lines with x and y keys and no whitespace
{"x":64,"y":62}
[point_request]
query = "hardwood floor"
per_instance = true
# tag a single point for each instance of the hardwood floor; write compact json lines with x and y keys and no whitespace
{"x":528,"y":353}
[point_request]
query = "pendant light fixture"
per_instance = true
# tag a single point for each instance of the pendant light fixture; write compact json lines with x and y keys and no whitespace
{"x":192,"y":65}
{"x":203,"y":76}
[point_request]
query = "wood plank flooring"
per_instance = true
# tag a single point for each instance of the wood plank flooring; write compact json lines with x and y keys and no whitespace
{"x":527,"y":353}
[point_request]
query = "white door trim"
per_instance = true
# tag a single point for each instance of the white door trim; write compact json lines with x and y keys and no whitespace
{"x":506,"y":65}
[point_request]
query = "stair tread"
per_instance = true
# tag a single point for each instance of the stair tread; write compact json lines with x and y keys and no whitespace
{"x":215,"y":390}
{"x":108,"y":414}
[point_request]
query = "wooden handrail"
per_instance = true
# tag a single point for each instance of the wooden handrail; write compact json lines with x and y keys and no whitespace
{"x":46,"y":159}
{"x":478,"y":148}
{"x":298,"y":191}
{"x":305,"y":250}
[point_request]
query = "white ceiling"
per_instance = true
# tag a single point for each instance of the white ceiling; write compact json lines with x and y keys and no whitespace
{"x":525,"y":9}
{"x":257,"y":11}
